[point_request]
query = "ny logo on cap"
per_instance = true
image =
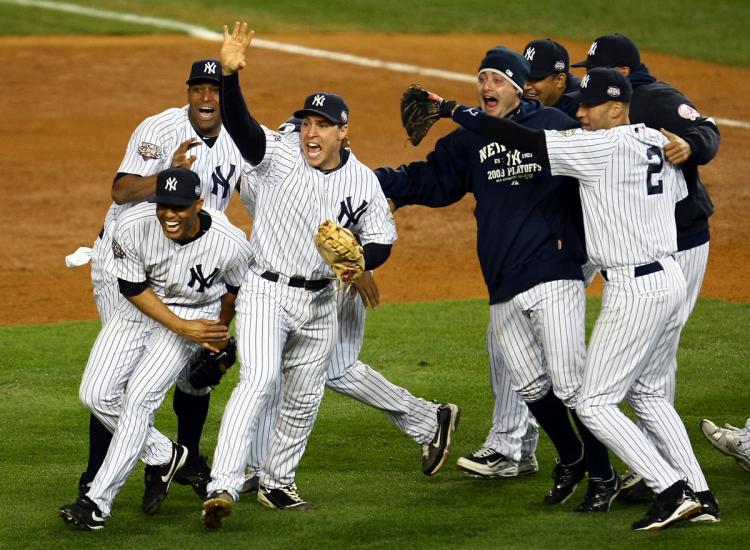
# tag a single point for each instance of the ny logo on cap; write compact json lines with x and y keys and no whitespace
{"x":171,"y":184}
{"x":592,"y":49}
{"x":530,"y":53}
{"x":209,"y":67}
{"x":585,"y":81}
{"x":318,"y":100}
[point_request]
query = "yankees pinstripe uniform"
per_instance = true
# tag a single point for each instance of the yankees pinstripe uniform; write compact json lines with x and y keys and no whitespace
{"x":530,"y":248}
{"x":628,"y":195}
{"x":157,"y":143}
{"x":346,"y":374}
{"x":286,"y":308}
{"x":136,"y":358}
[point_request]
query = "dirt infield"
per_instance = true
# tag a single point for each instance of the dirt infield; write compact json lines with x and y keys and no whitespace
{"x":71,"y":104}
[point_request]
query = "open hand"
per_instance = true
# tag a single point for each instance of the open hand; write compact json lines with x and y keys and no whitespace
{"x":234,"y":47}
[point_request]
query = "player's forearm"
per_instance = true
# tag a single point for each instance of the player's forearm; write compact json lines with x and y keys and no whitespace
{"x":704,"y":141}
{"x":375,"y":254}
{"x":503,"y":130}
{"x":150,"y":304}
{"x":133,"y":188}
{"x":227,"y":308}
{"x":244,"y":129}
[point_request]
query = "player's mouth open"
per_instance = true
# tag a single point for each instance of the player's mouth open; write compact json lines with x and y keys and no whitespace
{"x":313,"y":149}
{"x":206,"y":112}
{"x":490,"y":102}
{"x":172,"y":226}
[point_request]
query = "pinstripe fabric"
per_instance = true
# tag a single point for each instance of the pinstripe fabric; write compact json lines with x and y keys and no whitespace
{"x":628,"y":194}
{"x":629,"y":358}
{"x":348,"y":376}
{"x":135,"y":360}
{"x":541,"y":339}
{"x":745,"y":440}
{"x":514,"y":433}
{"x":286,"y":335}
{"x":624,"y":224}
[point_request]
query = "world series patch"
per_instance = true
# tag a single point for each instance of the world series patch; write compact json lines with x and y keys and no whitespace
{"x":150,"y":151}
{"x":117,"y":250}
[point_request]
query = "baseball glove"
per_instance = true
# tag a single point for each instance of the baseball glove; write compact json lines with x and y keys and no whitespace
{"x":208,"y":367}
{"x":341,"y":251}
{"x":420,"y":110}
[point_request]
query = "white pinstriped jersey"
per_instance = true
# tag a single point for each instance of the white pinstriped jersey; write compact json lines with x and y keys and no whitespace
{"x":628,"y":191}
{"x":190,"y":275}
{"x":292,"y":199}
{"x":155,"y":140}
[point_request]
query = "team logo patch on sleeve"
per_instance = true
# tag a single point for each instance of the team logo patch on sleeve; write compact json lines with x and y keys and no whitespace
{"x":688,"y":112}
{"x":117,"y":250}
{"x":150,"y":151}
{"x":567,"y":133}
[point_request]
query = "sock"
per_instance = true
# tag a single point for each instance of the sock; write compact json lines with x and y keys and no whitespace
{"x":595,"y":452}
{"x":99,"y":438}
{"x":552,"y":416}
{"x":191,"y":411}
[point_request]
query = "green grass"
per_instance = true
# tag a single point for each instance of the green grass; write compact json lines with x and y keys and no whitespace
{"x":359,"y":471}
{"x":715,"y":31}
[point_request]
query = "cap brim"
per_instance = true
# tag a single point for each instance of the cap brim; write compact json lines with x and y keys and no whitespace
{"x":173,"y":201}
{"x":576,"y":94}
{"x":539,"y":75}
{"x":203,"y":79}
{"x":584,"y":63}
{"x":307,"y":112}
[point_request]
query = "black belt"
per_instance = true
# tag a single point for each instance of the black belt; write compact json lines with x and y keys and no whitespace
{"x":297,"y":282}
{"x":641,"y":270}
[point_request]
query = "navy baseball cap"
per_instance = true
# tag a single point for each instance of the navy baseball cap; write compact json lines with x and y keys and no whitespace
{"x":611,"y":50}
{"x":205,"y":70}
{"x":507,"y":63}
{"x":330,"y":106}
{"x":546,"y":57}
{"x":177,"y":186}
{"x":600,"y":85}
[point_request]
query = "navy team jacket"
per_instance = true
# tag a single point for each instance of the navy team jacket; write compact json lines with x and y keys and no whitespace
{"x":529,"y":227}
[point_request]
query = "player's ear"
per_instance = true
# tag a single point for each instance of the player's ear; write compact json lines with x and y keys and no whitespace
{"x":561,"y":80}
{"x":343,"y":131}
{"x":199,"y":205}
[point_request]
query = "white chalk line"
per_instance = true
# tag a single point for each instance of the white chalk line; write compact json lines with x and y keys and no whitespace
{"x":207,"y":34}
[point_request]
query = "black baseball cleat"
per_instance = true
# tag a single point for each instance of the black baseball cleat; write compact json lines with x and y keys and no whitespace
{"x":216,"y":507}
{"x":158,"y":478}
{"x":634,"y":489}
{"x":82,"y":514}
{"x":676,"y":503}
{"x":600,"y":494}
{"x":709,"y":512}
{"x":195,"y":473}
{"x":566,"y":479}
{"x":283,"y":498}
{"x":435,"y":453}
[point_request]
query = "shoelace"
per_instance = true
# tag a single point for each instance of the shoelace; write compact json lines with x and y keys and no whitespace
{"x":291,"y":492}
{"x":483,"y":452}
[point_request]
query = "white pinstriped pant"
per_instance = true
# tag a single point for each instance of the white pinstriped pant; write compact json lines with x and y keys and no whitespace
{"x":132,"y":365}
{"x":285,"y":338}
{"x":347,"y":375}
{"x":514,"y":433}
{"x":541,"y":337}
{"x":629,"y":357}
{"x":693,"y":263}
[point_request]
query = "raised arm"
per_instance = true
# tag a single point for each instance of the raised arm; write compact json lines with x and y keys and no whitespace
{"x":244,"y":129}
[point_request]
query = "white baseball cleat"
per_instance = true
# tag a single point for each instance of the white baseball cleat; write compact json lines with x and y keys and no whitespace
{"x":728,"y":441}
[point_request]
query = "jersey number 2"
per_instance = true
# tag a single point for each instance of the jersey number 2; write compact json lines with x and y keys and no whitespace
{"x":654,"y":183}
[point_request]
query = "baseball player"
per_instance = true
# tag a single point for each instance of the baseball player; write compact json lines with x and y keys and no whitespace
{"x":530,"y":251}
{"x":694,"y":142}
{"x":731,"y":441}
{"x":550,"y":78}
{"x":179,"y":268}
{"x":286,"y":309}
{"x":430,"y":424}
{"x":628,"y":195}
{"x":190,"y":137}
